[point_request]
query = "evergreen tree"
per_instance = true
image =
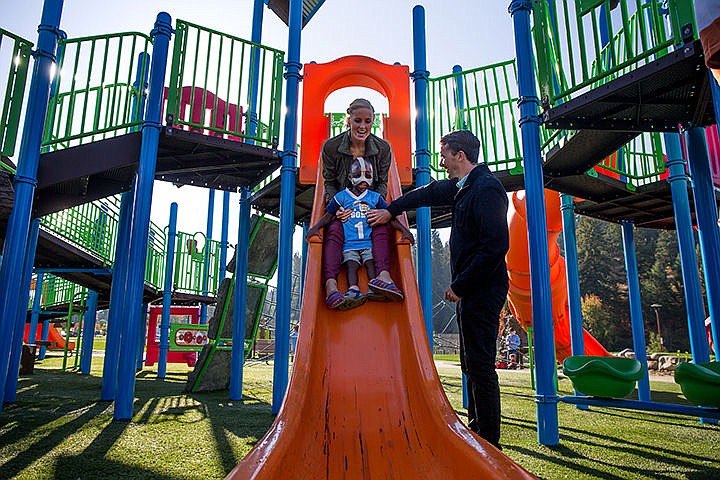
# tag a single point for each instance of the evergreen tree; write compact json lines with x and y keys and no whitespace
{"x":443,"y":312}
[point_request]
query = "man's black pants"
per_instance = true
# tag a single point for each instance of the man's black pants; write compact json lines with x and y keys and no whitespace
{"x":478,"y":319}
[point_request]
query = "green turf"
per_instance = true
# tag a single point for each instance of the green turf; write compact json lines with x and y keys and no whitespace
{"x":58,"y":429}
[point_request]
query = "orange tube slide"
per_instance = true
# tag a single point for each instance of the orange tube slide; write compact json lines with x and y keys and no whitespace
{"x":364,"y":399}
{"x":518,"y":265}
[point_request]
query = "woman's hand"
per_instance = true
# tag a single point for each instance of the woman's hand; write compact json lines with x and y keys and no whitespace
{"x":343,"y":214}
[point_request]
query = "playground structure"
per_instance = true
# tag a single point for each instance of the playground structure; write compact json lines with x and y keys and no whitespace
{"x":597,"y":154}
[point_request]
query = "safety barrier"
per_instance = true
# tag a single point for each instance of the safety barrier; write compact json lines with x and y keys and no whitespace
{"x":224,"y":70}
{"x":581,"y":44}
{"x":14,"y":52}
{"x":191,"y":251}
{"x":98,"y":88}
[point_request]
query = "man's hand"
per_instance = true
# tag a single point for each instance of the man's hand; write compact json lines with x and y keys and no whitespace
{"x":343,"y":214}
{"x":407,"y":235}
{"x":450,"y":296}
{"x":378,"y":217}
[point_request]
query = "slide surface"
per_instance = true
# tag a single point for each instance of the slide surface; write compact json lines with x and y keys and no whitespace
{"x":57,"y":341}
{"x":518,"y":265}
{"x":364,"y":399}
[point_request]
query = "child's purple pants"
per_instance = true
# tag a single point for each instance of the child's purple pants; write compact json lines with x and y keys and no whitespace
{"x":333,"y":247}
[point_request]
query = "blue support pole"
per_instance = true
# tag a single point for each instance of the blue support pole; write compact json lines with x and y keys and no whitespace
{"x":142,"y":330}
{"x":464,"y":391}
{"x":18,"y":226}
{"x":167,"y":291}
{"x":546,"y":396}
{"x":88,"y":334}
{"x":686,"y":245}
{"x":117,"y":315}
{"x":287,"y":207}
{"x":460,"y":120}
{"x":44,"y":333}
{"x":141,"y":217}
{"x":206,"y":264}
{"x":255,"y":37}
{"x":35,"y":315}
{"x":706,"y":214}
{"x":224,"y":244}
{"x":422,"y":164}
{"x":636,"y":317}
{"x":240,"y":296}
{"x":16,"y":341}
{"x":572,"y":274}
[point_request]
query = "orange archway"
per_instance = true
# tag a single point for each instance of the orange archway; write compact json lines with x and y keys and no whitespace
{"x":322,"y":79}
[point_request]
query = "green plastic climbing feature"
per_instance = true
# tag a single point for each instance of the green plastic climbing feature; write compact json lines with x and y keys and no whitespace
{"x":700,"y":383}
{"x":607,"y":377}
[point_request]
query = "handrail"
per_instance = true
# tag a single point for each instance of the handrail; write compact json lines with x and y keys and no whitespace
{"x":19,"y":60}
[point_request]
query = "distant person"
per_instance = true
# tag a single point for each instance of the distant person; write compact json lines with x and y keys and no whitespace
{"x":513,"y":346}
{"x":479,"y":240}
{"x":338,"y":154}
{"x":293,"y":340}
{"x":357,"y":247}
{"x":707,"y":13}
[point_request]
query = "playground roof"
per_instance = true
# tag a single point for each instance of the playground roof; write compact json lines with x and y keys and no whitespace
{"x":281,"y":9}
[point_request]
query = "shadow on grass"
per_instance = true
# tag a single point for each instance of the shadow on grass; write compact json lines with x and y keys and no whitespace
{"x":69,"y":468}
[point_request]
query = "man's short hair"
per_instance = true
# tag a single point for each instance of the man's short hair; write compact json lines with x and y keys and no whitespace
{"x":465,"y":141}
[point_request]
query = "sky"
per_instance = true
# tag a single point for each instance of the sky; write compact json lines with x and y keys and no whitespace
{"x":470,"y":33}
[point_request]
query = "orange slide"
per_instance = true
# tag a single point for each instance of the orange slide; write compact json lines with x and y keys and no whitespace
{"x":518,"y":265}
{"x":364,"y":399}
{"x":57,"y":341}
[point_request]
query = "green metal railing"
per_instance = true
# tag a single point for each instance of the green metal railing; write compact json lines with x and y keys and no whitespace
{"x":14,"y":52}
{"x":155,"y":258}
{"x":638,"y":163}
{"x":56,"y":291}
{"x":190,"y":263}
{"x":91,"y":226}
{"x":570,"y":35}
{"x":489,"y":110}
{"x":94,"y":95}
{"x":212,"y":75}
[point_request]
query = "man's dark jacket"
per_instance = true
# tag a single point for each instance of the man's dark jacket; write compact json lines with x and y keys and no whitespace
{"x":479,"y":237}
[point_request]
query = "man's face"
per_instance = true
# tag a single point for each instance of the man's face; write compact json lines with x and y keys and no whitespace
{"x":450,"y":161}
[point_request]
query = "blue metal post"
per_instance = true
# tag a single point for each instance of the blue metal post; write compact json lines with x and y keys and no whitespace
{"x":167,"y":291}
{"x":636,"y":317}
{"x":464,"y":391}
{"x":117,"y":315}
{"x":141,"y":217}
{"x":287,"y":207}
{"x":572,"y":274}
{"x":240,"y":296}
{"x":422,"y":164}
{"x":16,"y":341}
{"x":460,"y":120}
{"x":88,"y":332}
{"x":706,"y":214}
{"x":686,"y":245}
{"x":35,"y":315}
{"x":206,"y":264}
{"x":546,"y":396}
{"x":142,"y":330}
{"x":255,"y":37}
{"x":224,"y":244}
{"x":44,"y":333}
{"x":18,"y":225}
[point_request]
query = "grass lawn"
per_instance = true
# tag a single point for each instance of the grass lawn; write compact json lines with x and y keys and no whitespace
{"x":57,"y":428}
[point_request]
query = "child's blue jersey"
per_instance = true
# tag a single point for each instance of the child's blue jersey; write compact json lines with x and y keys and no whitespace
{"x":357,"y":231}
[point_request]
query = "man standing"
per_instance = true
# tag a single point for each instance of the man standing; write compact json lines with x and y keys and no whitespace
{"x":478,"y":244}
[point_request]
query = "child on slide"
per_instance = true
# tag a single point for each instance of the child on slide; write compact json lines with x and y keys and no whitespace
{"x":357,"y":249}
